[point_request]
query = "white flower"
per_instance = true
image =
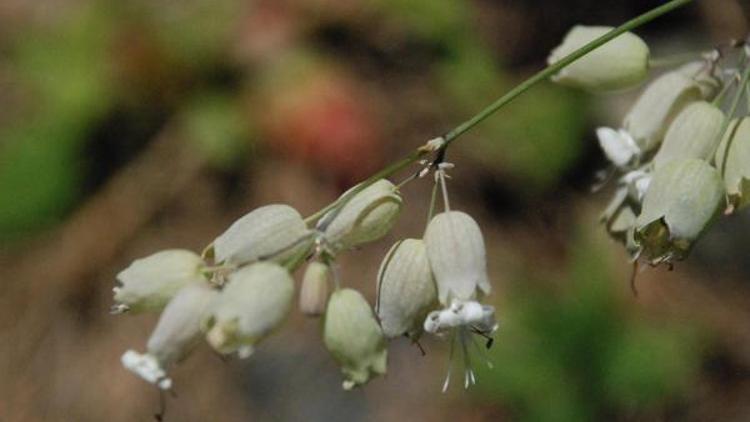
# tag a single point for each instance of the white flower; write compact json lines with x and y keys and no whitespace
{"x":618,"y":146}
{"x":455,"y":249}
{"x":461,"y":321}
{"x":150,"y":282}
{"x":254,"y":302}
{"x":276,"y":232}
{"x":178,"y":330}
{"x":406,"y":289}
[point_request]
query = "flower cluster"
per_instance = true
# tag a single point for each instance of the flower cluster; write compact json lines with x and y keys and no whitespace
{"x":682,"y":153}
{"x":241,"y":288}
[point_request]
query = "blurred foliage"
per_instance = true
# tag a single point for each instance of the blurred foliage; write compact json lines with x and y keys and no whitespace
{"x":64,"y":70}
{"x":214,"y":123}
{"x":581,"y":355}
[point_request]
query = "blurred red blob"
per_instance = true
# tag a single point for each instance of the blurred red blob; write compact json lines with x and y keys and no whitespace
{"x":324,"y":119}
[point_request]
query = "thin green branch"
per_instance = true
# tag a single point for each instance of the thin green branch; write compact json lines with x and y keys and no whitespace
{"x":556,"y":67}
{"x":492,"y":108}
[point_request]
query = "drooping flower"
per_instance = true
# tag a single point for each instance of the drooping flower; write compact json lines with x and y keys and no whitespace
{"x":618,"y":64}
{"x":273,"y":232}
{"x":455,"y":249}
{"x":178,"y":330}
{"x":366,"y":217}
{"x":254,"y":302}
{"x":354,"y":338}
{"x":406,"y":289}
{"x":149,"y":283}
{"x":682,"y":201}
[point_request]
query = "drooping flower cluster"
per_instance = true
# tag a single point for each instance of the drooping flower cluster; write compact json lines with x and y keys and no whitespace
{"x":682,"y":151}
{"x":241,"y":288}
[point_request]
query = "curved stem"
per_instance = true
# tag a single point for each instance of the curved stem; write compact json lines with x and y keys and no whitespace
{"x":495,"y":106}
{"x":557,"y":66}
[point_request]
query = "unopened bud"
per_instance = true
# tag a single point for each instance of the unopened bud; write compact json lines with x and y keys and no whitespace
{"x":406,"y":289}
{"x":149,"y":283}
{"x":254,"y":302}
{"x":682,"y":201}
{"x":354,"y":338}
{"x":736,"y":165}
{"x":272,"y":232}
{"x":618,"y":64}
{"x":366,"y":217}
{"x":694,"y":133}
{"x":313,"y":295}
{"x":458,"y":259}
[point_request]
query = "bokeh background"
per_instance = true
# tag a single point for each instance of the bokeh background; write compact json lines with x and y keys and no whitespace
{"x":128,"y":127}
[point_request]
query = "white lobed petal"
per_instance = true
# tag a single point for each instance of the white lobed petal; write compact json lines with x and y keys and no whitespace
{"x":147,"y":367}
{"x":618,"y":146}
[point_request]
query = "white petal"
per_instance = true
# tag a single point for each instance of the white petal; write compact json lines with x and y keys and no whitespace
{"x":147,"y":367}
{"x":618,"y":146}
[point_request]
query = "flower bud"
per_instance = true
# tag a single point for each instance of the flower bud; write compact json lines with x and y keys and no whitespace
{"x":683,"y":199}
{"x":150,"y":282}
{"x":354,"y":338}
{"x":276,"y":232}
{"x":660,"y":102}
{"x":178,"y":330}
{"x":694,"y":133}
{"x":406,"y":289}
{"x":366,"y":217}
{"x":701,"y":72}
{"x":313,"y":294}
{"x":455,"y":249}
{"x":618,"y":64}
{"x":254,"y":302}
{"x":736,"y":165}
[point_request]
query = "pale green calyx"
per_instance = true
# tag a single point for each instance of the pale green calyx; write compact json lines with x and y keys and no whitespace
{"x":178,"y":330}
{"x":694,"y":133}
{"x":682,"y":201}
{"x":617,"y":64}
{"x":273,"y":232}
{"x":455,"y":249}
{"x":255,"y":301}
{"x":354,"y":338}
{"x":653,"y":112}
{"x":366,"y":217}
{"x":406,"y":289}
{"x":149,"y":283}
{"x":313,"y":295}
{"x":736,"y":171}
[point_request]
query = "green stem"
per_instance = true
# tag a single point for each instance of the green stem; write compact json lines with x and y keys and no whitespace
{"x":557,"y":66}
{"x":728,"y":119}
{"x":495,"y":106}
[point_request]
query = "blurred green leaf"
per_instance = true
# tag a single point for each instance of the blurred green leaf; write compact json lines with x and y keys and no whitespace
{"x":215,"y":124}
